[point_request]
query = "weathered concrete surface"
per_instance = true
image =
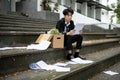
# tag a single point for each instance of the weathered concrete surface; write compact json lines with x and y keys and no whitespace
{"x":103,"y":76}
{"x":102,"y":60}
{"x":18,"y":60}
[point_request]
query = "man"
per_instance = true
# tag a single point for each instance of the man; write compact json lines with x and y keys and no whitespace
{"x":66,"y":27}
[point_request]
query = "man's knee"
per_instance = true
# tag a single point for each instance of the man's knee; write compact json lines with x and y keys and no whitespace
{"x":79,"y":37}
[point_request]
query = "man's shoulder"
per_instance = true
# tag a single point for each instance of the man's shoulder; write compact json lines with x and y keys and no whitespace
{"x":61,"y":21}
{"x":72,"y":21}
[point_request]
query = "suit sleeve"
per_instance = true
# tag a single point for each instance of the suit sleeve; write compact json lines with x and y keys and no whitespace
{"x":72,"y":26}
{"x":58,"y":26}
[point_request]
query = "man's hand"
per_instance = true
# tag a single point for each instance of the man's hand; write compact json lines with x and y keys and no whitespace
{"x":70,"y":32}
{"x":81,"y":31}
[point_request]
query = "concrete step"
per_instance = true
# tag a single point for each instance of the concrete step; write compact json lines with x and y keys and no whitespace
{"x":4,"y":33}
{"x":19,"y":59}
{"x":16,"y":37}
{"x":94,"y":28}
{"x":113,"y":36}
{"x":103,"y":76}
{"x":28,"y":24}
{"x":22,"y":29}
{"x":92,"y":36}
{"x":102,"y":60}
{"x":24,"y":19}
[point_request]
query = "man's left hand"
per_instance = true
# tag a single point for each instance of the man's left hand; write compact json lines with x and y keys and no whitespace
{"x":81,"y":31}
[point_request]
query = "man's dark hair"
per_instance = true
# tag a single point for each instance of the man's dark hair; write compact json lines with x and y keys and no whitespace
{"x":67,"y":11}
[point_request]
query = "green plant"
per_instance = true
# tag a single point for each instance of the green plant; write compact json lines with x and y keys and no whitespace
{"x":54,"y":31}
{"x":45,"y":5}
{"x":117,"y":11}
{"x":56,"y":7}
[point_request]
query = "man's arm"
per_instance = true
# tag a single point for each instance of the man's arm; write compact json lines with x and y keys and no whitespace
{"x":58,"y":26}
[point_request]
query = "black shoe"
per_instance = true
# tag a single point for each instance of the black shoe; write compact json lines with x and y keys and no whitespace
{"x":69,"y":57}
{"x":77,"y":55}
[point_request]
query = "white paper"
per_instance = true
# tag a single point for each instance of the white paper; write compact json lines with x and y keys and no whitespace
{"x":71,"y":62}
{"x":60,"y":64}
{"x":77,"y":28}
{"x":19,"y":47}
{"x":7,"y":48}
{"x":80,"y":61}
{"x":41,"y":46}
{"x":62,"y":69}
{"x":57,"y":68}
{"x":110,"y":73}
{"x":42,"y":65}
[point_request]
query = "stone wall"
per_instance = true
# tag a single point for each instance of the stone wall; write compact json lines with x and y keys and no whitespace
{"x":4,"y":6}
{"x":30,"y":7}
{"x":27,"y":6}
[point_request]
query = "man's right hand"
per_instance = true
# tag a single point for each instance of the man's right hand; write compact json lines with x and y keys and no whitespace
{"x":70,"y":32}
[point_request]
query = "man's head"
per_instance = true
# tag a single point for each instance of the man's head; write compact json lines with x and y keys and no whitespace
{"x":68,"y":14}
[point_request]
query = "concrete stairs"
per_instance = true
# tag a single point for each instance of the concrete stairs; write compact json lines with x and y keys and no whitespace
{"x":103,"y":76}
{"x":13,"y":28}
{"x":102,"y":59}
{"x":14,"y":64}
{"x":18,"y":60}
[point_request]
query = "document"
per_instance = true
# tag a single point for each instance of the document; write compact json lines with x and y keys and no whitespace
{"x":60,"y":64}
{"x":77,"y":28}
{"x":80,"y":61}
{"x":42,"y":65}
{"x":8,"y":48}
{"x":110,"y":73}
{"x":71,"y":62}
{"x":43,"y":45}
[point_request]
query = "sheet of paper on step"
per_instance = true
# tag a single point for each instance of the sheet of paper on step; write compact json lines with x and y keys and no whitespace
{"x":42,"y":64}
{"x":80,"y":61}
{"x":19,"y":47}
{"x":45,"y":66}
{"x":8,"y":48}
{"x":42,"y":46}
{"x":63,"y":69}
{"x":60,"y":64}
{"x":110,"y":73}
{"x":58,"y":68}
{"x":71,"y":62}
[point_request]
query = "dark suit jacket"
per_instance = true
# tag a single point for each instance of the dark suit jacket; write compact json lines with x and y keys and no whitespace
{"x":61,"y":25}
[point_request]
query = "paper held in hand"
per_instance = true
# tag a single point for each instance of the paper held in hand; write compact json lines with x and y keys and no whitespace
{"x":78,"y":27}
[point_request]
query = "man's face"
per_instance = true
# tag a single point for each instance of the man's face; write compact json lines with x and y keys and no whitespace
{"x":68,"y":17}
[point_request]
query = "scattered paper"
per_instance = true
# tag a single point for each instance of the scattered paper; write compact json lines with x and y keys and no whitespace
{"x":80,"y":61}
{"x":7,"y":48}
{"x":110,"y":73}
{"x":42,"y":46}
{"x":60,"y":64}
{"x":71,"y":62}
{"x":57,"y":68}
{"x":77,"y":28}
{"x":19,"y":47}
{"x":63,"y":69}
{"x":42,"y":64}
{"x":34,"y":66}
{"x":45,"y":66}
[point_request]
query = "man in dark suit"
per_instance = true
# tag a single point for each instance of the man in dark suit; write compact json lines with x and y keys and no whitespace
{"x":66,"y":27}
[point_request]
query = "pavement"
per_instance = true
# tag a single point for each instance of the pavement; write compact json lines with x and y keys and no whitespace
{"x":103,"y":76}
